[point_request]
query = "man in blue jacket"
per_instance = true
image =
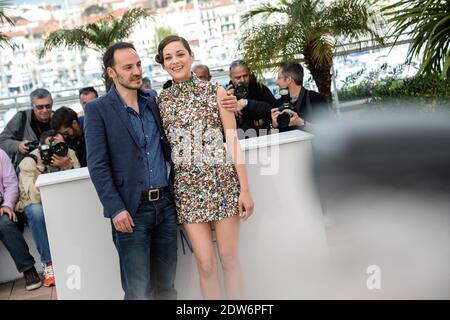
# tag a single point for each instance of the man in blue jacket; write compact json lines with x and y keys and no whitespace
{"x":129,"y":163}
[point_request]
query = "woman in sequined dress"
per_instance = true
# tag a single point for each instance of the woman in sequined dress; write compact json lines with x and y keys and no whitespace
{"x":211,"y":185}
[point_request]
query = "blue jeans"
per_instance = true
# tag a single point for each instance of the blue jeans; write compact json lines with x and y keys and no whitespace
{"x":35,"y":219}
{"x":15,"y":244}
{"x":148,"y":256}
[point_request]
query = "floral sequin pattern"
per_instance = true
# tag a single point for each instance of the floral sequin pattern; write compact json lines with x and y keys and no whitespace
{"x":206,"y":184}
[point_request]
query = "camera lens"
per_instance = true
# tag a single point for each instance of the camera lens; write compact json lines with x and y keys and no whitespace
{"x":240,"y":91}
{"x":283,"y":120}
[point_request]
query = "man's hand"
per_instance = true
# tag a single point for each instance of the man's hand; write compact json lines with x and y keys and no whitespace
{"x":241,"y":104}
{"x":275,"y":113}
{"x":10,"y":212}
{"x":296,"y":120}
{"x":61,"y":162}
{"x":23,"y":149}
{"x":123,"y":222}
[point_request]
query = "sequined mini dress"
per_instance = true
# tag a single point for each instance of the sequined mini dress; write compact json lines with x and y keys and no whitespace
{"x":206,"y":183}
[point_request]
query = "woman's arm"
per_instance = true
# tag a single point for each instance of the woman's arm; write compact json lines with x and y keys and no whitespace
{"x":237,"y":156}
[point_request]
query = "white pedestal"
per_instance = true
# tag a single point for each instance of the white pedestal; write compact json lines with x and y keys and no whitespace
{"x":282,"y":246}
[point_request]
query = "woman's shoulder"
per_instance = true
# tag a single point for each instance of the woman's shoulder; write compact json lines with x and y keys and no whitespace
{"x":163,"y":95}
{"x":207,"y":87}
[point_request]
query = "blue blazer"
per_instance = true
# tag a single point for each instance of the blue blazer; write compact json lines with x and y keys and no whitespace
{"x":114,"y":158}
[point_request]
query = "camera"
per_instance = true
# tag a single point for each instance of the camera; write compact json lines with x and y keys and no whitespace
{"x":32,"y":145}
{"x":54,"y":148}
{"x":240,"y":91}
{"x":286,"y":109}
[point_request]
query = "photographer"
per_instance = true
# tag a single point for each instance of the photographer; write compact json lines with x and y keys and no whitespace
{"x":66,"y":121}
{"x":255,"y":100}
{"x":26,"y":126}
{"x":52,"y":155}
{"x":299,"y":108}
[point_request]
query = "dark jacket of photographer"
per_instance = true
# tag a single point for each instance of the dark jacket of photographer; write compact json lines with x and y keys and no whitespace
{"x":14,"y":132}
{"x":256,"y":114}
{"x":28,"y":175}
{"x":310,"y":106}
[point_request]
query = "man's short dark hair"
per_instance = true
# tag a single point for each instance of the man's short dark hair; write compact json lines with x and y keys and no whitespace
{"x":294,"y":70}
{"x":49,"y":134}
{"x":40,"y":93}
{"x":146,"y":80}
{"x":202,"y":66}
{"x":63,"y":117}
{"x":108,"y":59}
{"x":108,"y":56}
{"x":86,"y":90}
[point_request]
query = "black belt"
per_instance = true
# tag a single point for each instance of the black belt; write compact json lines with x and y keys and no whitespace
{"x":154,"y":194}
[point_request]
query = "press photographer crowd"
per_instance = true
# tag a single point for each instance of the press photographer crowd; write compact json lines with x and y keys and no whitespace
{"x":41,"y":140}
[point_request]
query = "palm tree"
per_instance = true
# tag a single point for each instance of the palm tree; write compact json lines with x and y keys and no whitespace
{"x":310,"y":28}
{"x":98,"y":36}
{"x":427,"y":22}
{"x":4,"y":18}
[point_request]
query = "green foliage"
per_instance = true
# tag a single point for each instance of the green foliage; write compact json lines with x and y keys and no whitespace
{"x":310,"y":28}
{"x":97,"y":36}
{"x":423,"y":90}
{"x":160,"y":34}
{"x":4,"y":18}
{"x":427,"y":22}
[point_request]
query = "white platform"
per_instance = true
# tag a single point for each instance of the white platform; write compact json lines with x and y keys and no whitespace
{"x":282,"y":246}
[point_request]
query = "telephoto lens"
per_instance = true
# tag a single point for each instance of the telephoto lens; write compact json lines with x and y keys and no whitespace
{"x":286,"y":109}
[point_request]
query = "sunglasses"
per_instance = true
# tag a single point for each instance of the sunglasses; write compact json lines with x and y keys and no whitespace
{"x":42,"y":106}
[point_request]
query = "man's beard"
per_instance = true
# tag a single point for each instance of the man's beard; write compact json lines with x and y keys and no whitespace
{"x":126,"y":86}
{"x":235,"y":84}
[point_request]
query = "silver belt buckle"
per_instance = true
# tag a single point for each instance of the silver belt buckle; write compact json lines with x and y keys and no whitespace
{"x":153,"y":195}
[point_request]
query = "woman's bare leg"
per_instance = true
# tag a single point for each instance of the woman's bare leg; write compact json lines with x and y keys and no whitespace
{"x":200,"y":236}
{"x":227,"y":235}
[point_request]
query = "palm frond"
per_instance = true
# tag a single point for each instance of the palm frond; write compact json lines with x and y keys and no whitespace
{"x":353,"y":19}
{"x":428,"y":24}
{"x":98,"y":35}
{"x":311,"y":28}
{"x":5,"y":41}
{"x":5,"y":18}
{"x":267,"y":47}
{"x":71,"y":39}
{"x":322,"y":49}
{"x":130,"y":19}
{"x":265,"y":10}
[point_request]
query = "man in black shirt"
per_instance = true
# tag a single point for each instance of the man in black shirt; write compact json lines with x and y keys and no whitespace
{"x":66,"y":121}
{"x":307,"y":106}
{"x":254,"y":105}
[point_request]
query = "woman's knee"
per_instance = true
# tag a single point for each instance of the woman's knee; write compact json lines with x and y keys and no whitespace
{"x":229,"y":258}
{"x":207,"y":267}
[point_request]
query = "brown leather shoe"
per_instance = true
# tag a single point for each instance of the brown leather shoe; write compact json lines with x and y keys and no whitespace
{"x":32,"y":279}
